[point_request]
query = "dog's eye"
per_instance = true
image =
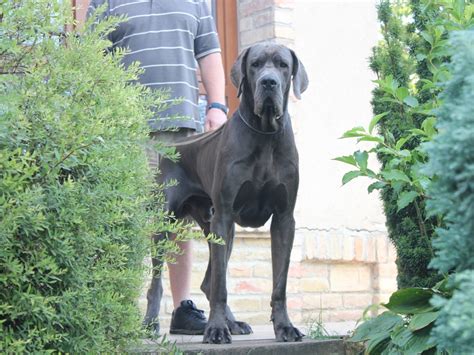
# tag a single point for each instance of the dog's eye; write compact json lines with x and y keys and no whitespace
{"x":283,"y":65}
{"x":256,"y":64}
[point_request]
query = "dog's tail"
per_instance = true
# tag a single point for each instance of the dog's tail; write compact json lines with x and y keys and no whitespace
{"x":201,"y":137}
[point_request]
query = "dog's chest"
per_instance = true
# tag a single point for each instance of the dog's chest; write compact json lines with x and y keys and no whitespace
{"x":265,"y":164}
{"x":265,"y":186}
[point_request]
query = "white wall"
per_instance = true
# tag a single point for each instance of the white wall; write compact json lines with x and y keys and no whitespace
{"x":334,"y":39}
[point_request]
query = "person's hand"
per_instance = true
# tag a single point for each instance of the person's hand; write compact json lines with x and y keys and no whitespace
{"x":214,"y":119}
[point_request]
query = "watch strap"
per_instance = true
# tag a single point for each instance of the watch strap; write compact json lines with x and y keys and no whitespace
{"x":219,"y":106}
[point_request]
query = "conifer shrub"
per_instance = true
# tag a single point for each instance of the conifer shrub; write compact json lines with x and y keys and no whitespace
{"x":451,"y":161}
{"x":75,"y":187}
{"x":429,"y":172}
{"x":420,"y":320}
{"x":410,"y":62}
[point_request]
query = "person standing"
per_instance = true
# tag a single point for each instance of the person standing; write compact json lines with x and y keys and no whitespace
{"x":171,"y":39}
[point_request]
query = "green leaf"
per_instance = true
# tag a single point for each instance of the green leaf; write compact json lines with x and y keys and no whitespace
{"x":442,"y":286}
{"x":377,"y":345}
{"x":420,"y":57}
{"x":367,"y":138}
{"x":354,"y":132}
{"x":401,"y":336}
{"x":422,"y":182}
{"x":411,"y":101}
{"x":428,"y":126}
{"x":395,"y":175}
{"x":348,"y":159}
{"x":351,"y":175}
{"x":389,"y":99}
{"x":390,"y":137}
{"x":376,"y":186}
{"x":428,"y":38}
{"x":418,"y":132}
{"x":422,"y":320}
{"x":402,"y":93}
{"x":410,"y":301}
{"x":386,"y":150}
{"x":427,"y":84}
{"x":382,"y":324}
{"x":371,"y":174}
{"x":459,"y":6}
{"x":405,"y":199}
{"x":397,"y":186}
{"x":405,"y":153}
{"x":375,"y":120}
{"x":361,"y":158}
{"x":419,"y":341}
{"x":401,"y":142}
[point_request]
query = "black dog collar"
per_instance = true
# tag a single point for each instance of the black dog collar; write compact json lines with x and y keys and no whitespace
{"x":257,"y":130}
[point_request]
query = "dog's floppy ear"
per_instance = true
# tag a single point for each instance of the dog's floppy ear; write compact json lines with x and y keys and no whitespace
{"x":300,"y":78}
{"x":238,"y":72}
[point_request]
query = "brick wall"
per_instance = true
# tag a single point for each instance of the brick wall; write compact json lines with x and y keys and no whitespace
{"x":261,"y":20}
{"x":335,"y":273}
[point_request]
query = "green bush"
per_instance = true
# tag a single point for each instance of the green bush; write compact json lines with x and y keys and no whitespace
{"x":451,"y":161}
{"x":410,"y":63}
{"x":74,"y":185}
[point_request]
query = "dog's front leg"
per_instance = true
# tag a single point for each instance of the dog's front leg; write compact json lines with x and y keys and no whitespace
{"x":216,"y":331}
{"x":236,"y":327}
{"x":282,"y":232}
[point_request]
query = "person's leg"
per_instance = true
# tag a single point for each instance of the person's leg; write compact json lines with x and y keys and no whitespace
{"x":180,"y":274}
{"x":180,"y":271}
{"x":186,"y":318}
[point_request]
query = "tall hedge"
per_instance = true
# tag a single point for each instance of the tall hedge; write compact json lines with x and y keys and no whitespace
{"x":74,"y":185}
{"x":452,"y":162}
{"x":410,"y":62}
{"x":397,"y":58}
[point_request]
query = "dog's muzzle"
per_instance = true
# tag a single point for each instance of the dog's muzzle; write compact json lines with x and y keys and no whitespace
{"x":268,"y":97}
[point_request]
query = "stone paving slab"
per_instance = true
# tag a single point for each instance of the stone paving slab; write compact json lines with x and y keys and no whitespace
{"x":256,"y":347}
{"x":261,"y":342}
{"x":265,"y":332}
{"x":267,"y":347}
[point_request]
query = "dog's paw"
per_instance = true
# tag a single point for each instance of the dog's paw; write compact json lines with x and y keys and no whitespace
{"x":152,"y":327}
{"x":288,"y":333}
{"x":215,"y":334}
{"x":239,"y":328}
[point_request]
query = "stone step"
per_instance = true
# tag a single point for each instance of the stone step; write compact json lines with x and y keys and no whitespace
{"x":267,"y":347}
{"x":254,"y":347}
{"x":261,"y":342}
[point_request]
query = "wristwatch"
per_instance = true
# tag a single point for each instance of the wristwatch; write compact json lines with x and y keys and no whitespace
{"x":219,"y":106}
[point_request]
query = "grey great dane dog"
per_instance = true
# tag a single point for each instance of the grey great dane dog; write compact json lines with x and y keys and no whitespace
{"x":244,"y":172}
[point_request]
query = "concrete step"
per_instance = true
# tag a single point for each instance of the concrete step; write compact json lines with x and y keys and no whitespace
{"x":267,"y":347}
{"x":261,"y":342}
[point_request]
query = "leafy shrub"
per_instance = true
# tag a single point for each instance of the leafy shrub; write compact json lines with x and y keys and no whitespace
{"x":451,"y":161}
{"x":74,"y":185}
{"x":406,"y":325}
{"x":410,"y":63}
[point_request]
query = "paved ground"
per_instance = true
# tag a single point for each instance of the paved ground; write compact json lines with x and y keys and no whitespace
{"x":264,"y":332}
{"x":260,"y":342}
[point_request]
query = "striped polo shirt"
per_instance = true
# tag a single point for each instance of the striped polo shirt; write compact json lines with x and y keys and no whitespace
{"x":166,"y":37}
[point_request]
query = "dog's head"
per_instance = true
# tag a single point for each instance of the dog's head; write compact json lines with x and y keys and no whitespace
{"x":263,"y":74}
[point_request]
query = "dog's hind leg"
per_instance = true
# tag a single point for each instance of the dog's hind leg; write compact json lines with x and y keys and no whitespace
{"x":155,"y":292}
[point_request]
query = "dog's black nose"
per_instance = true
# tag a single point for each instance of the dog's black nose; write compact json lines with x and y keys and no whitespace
{"x":269,"y":83}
